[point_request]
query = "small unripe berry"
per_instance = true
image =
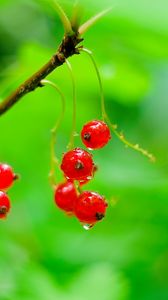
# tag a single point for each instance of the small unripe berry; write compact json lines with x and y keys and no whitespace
{"x":95,"y":134}
{"x":7,"y":176}
{"x":90,"y":207}
{"x":65,"y":196}
{"x":4,"y":205}
{"x":77,"y":164}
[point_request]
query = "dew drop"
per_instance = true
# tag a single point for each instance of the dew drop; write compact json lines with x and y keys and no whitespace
{"x":87,"y":226}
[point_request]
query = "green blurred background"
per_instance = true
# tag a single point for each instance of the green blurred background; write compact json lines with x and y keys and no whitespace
{"x":45,"y":255}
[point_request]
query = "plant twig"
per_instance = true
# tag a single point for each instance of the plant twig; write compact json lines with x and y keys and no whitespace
{"x":106,"y":118}
{"x":66,"y":49}
{"x":54,"y":159}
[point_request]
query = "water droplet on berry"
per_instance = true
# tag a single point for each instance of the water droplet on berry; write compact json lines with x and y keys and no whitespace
{"x":87,"y":226}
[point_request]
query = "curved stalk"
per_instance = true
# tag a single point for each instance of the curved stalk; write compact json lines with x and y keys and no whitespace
{"x":54,"y":160}
{"x":73,"y":132}
{"x":105,"y":116}
{"x":99,"y":80}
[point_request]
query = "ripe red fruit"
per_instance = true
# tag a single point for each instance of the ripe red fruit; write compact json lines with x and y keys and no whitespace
{"x":4,"y":205}
{"x":65,"y":196}
{"x":95,"y":134}
{"x":90,"y":207}
{"x":6,"y":176}
{"x":77,"y":164}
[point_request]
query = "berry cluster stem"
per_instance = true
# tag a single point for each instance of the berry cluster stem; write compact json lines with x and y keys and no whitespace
{"x":106,"y":118}
{"x":73,"y":132}
{"x":99,"y":80}
{"x":54,"y":159}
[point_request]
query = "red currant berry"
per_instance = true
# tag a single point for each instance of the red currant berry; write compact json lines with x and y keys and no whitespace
{"x":4,"y":205}
{"x":66,"y":196}
{"x":77,"y":164}
{"x":90,"y":207}
{"x":95,"y":134}
{"x":6,"y":176}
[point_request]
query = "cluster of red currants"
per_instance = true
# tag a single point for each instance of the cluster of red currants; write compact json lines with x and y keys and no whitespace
{"x":78,"y":168}
{"x":7,"y":177}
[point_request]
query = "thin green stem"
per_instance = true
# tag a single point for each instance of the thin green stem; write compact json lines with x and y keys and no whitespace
{"x":73,"y":132}
{"x":54,"y":160}
{"x":107,"y":119}
{"x":122,"y":138}
{"x":99,"y":80}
